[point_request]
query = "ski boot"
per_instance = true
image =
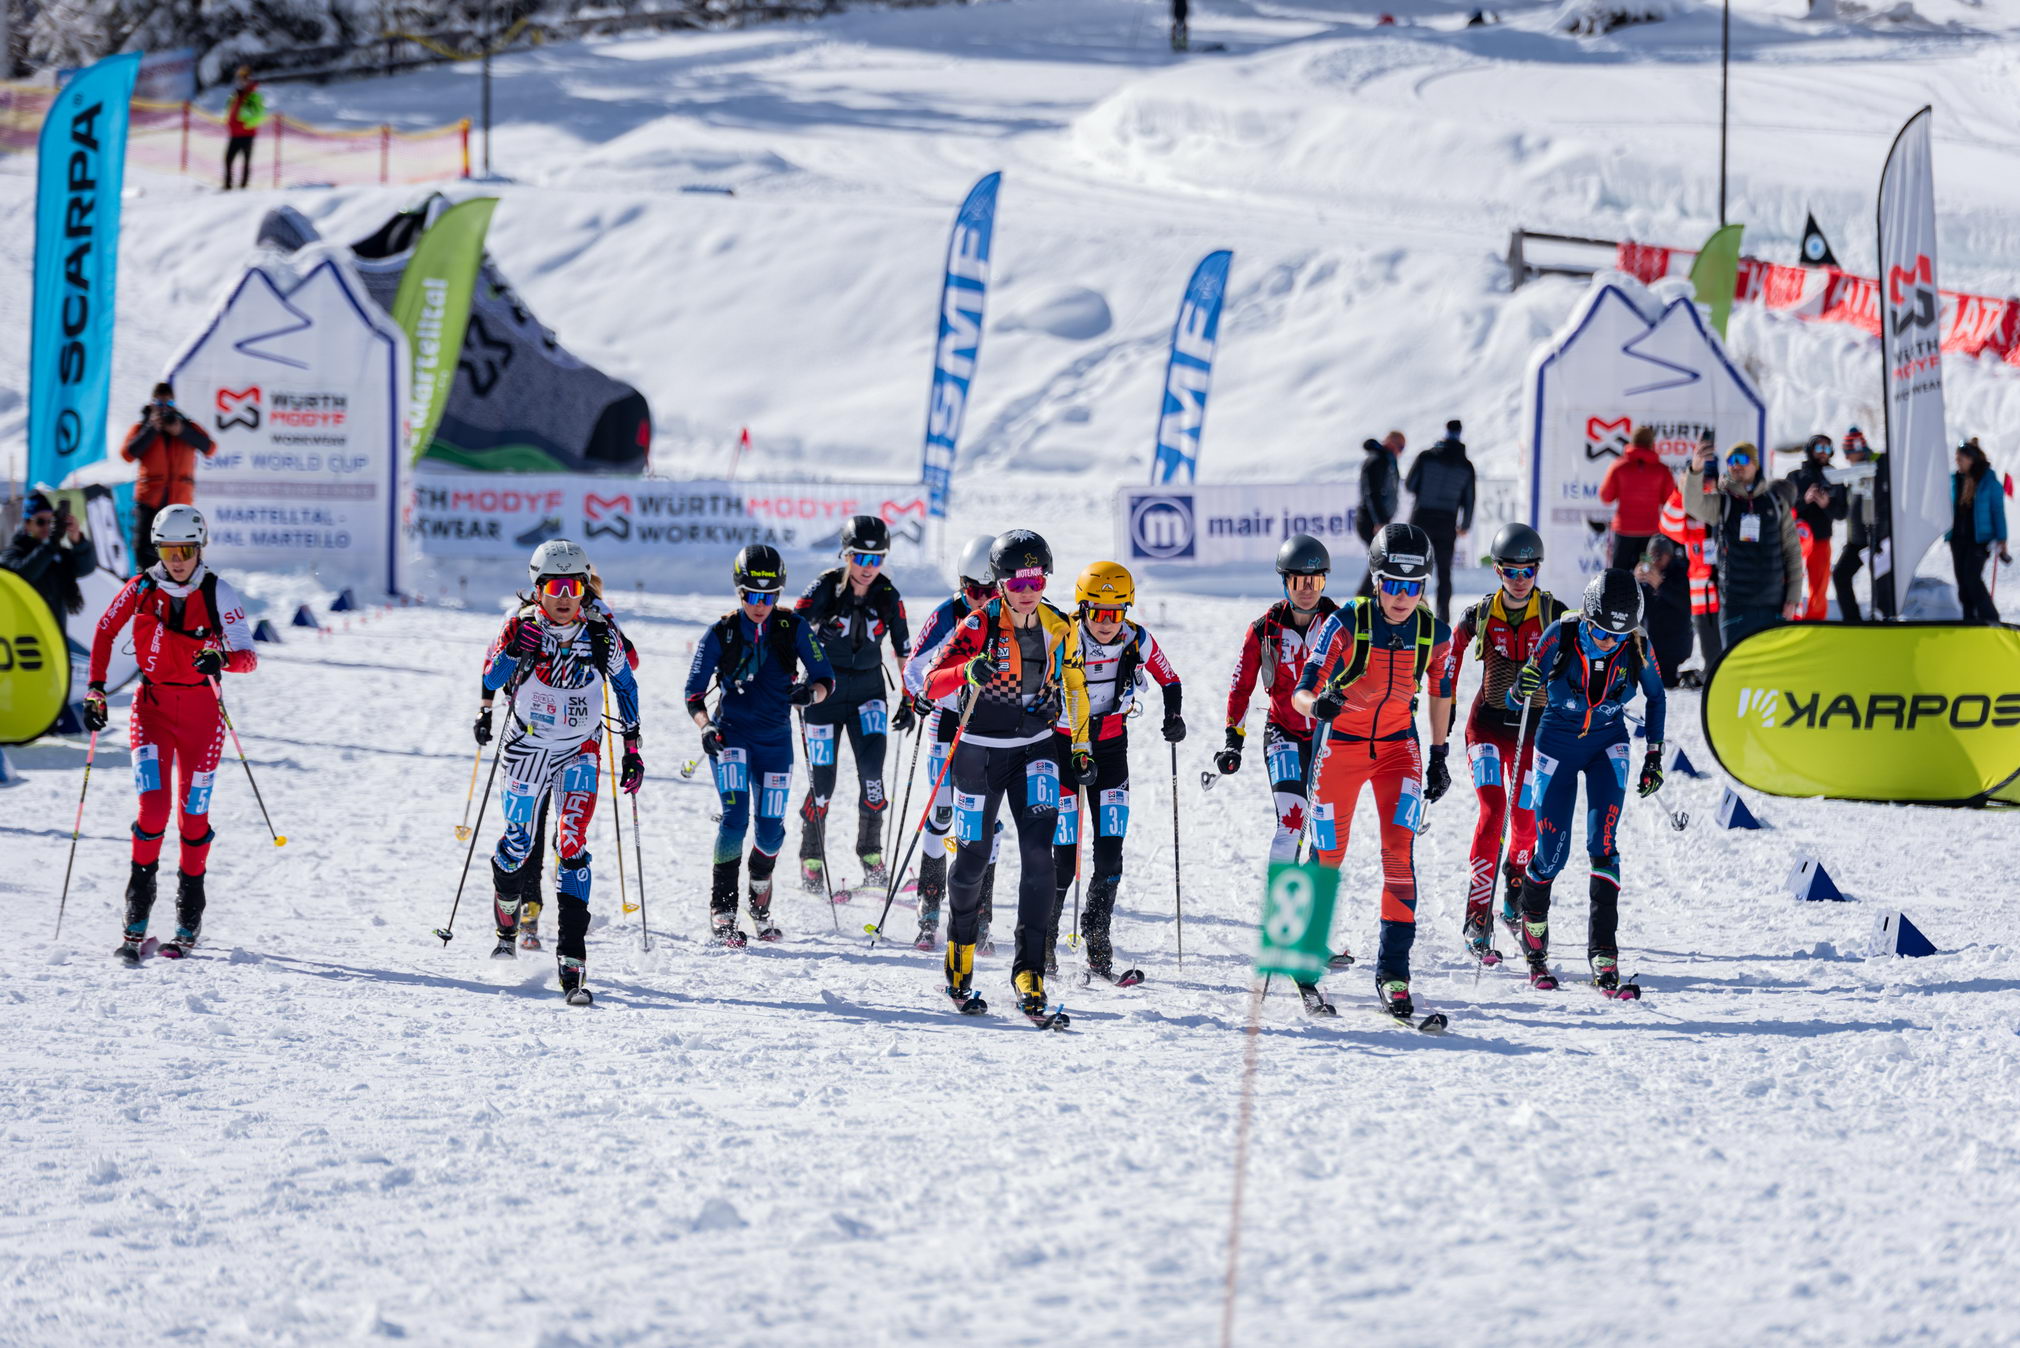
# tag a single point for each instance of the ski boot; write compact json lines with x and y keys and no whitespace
{"x":529,"y":924}
{"x":1315,"y":1001}
{"x":1394,"y":994}
{"x":1479,"y":934}
{"x":761,"y":910}
{"x":723,"y":931}
{"x":139,"y":903}
{"x":1536,"y":950}
{"x":1606,"y":975}
{"x":506,"y":914}
{"x":929,"y":927}
{"x":572,"y":976}
{"x":876,"y":875}
{"x":813,"y":876}
{"x":189,"y":904}
{"x":960,"y":966}
{"x":1031,"y":1001}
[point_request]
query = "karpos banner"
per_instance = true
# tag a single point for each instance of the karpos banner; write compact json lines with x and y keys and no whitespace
{"x":958,"y":341}
{"x":1234,"y":524}
{"x":34,"y":670}
{"x":80,"y":168}
{"x":1919,"y":713}
{"x":1622,"y":361}
{"x":1188,"y":374}
{"x":302,"y":382}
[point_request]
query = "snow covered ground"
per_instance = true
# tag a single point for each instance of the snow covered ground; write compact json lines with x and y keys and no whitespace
{"x":327,"y":1126}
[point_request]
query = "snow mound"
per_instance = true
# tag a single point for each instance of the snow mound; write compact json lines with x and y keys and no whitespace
{"x":1075,"y":314}
{"x":1590,"y":18}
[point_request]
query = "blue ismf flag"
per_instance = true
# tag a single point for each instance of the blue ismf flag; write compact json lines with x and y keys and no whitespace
{"x":1181,"y":411}
{"x":960,"y":336}
{"x":80,"y":168}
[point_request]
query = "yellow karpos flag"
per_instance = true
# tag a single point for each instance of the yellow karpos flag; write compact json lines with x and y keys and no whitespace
{"x":34,"y":663}
{"x":1920,"y":713}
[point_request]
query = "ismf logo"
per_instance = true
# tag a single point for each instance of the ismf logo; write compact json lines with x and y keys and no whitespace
{"x":1912,"y":293}
{"x":1604,"y":437}
{"x":906,"y":518}
{"x":1161,"y":526}
{"x":606,"y":515}
{"x":238,"y":407}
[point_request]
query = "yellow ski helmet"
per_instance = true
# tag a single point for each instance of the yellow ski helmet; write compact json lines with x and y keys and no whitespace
{"x":1105,"y":585}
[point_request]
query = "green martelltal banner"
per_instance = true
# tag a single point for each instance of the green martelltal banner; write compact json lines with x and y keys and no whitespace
{"x":1297,"y":918}
{"x":1916,"y":713}
{"x":432,"y":306}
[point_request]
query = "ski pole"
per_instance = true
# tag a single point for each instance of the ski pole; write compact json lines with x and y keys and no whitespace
{"x":1320,"y":730}
{"x":76,"y":827}
{"x":1513,"y":788}
{"x":1177,"y":887}
{"x":638,"y":856}
{"x":624,"y":902}
{"x":821,"y":820}
{"x":470,"y":796}
{"x":1080,"y":823}
{"x":280,"y":839}
{"x":876,"y":929}
{"x":448,"y":933}
{"x":911,"y":775}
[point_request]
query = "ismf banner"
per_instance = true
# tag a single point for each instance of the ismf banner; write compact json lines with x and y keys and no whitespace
{"x":1235,"y":524}
{"x":1622,"y":361}
{"x":652,"y":530}
{"x":958,"y":339}
{"x":1924,"y":713}
{"x":1188,"y":374}
{"x":302,"y":382}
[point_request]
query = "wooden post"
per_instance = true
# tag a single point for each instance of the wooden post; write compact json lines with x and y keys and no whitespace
{"x":385,"y":152}
{"x":185,"y":137}
{"x":279,"y":123}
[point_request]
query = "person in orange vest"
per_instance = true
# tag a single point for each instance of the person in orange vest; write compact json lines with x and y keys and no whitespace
{"x":242,"y":116}
{"x":165,"y":444}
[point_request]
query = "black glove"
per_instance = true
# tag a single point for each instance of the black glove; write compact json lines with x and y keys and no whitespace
{"x":1437,"y":777}
{"x":483,"y":727}
{"x":1651,"y":771}
{"x":1085,"y":771}
{"x":1528,"y":683}
{"x":1174,"y":727}
{"x":631,"y":774}
{"x":209,"y":662}
{"x":94,"y":708}
{"x":711,"y":741}
{"x":525,"y":643}
{"x":1228,"y":760}
{"x":802,"y":694}
{"x":980,"y":670}
{"x":1328,"y":705}
{"x":904,"y":718}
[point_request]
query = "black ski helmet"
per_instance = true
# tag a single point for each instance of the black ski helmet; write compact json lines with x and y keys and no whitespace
{"x":1303,"y":555}
{"x":1613,"y":602}
{"x":866,"y":533}
{"x":1517,"y":545}
{"x":1018,"y":550}
{"x":1400,"y":552}
{"x":759,"y":567}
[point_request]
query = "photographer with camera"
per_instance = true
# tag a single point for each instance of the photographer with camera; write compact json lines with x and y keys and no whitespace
{"x":50,"y":553}
{"x":165,"y":444}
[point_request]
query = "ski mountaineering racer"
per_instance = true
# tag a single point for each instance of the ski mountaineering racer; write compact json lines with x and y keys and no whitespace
{"x":552,"y":660}
{"x":189,"y":630}
{"x":1111,"y":651}
{"x":973,"y":590}
{"x":1503,"y":629}
{"x":1273,"y":652}
{"x":852,"y":609}
{"x":1010,"y":659}
{"x":1587,"y":667}
{"x":1360,"y":684}
{"x":754,"y":655}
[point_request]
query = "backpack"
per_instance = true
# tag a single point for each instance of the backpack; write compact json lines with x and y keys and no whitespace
{"x":207,"y":587}
{"x":781,"y":636}
{"x":1363,"y":632}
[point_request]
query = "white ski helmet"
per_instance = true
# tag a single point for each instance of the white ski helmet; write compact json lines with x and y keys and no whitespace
{"x":179,"y":524}
{"x":558,"y":557}
{"x":974,"y":560}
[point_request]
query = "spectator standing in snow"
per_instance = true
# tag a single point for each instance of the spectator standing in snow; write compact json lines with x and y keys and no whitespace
{"x":1978,"y":520}
{"x":1381,"y":493}
{"x":165,"y":445}
{"x":1818,"y":502}
{"x":1858,"y":528}
{"x":1441,"y":481}
{"x":1664,"y":573}
{"x":1760,"y":560}
{"x":243,"y":115}
{"x":1635,"y":486}
{"x":49,"y":552}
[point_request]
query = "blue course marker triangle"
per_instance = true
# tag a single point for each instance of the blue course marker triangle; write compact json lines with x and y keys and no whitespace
{"x":1811,"y":882}
{"x":1679,"y":763}
{"x":1908,"y":938}
{"x":265,"y":632}
{"x":344,"y":603}
{"x":1733,"y":813}
{"x":304,"y":618}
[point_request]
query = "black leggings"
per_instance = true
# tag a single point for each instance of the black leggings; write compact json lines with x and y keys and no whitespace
{"x":238,"y":148}
{"x":1443,"y":527}
{"x":1969,"y":561}
{"x":986,"y":774}
{"x":857,"y":710}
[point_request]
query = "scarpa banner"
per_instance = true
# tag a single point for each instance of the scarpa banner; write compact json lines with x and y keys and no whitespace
{"x":302,"y":381}
{"x":648,"y":529}
{"x":34,"y":672}
{"x":1181,"y":412}
{"x":959,"y":338}
{"x":80,"y":170}
{"x":1235,"y":524}
{"x":97,"y":512}
{"x":1911,"y":359}
{"x":432,"y":306}
{"x":1919,"y":713}
{"x":1623,"y":360}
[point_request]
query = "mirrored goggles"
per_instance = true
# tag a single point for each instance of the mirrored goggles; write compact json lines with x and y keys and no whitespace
{"x":1106,"y":613}
{"x":554,"y":587}
{"x":975,"y":591}
{"x":762,"y":598}
{"x":867,"y":558}
{"x":1412,"y":588}
{"x":1517,"y":572}
{"x":177,"y":552}
{"x":1025,"y":584}
{"x":1738,"y":460}
{"x":1604,"y":639}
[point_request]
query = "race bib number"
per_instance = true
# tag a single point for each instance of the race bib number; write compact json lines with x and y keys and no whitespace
{"x":821,"y":745}
{"x":147,"y":769}
{"x":521,"y":800}
{"x":936,"y":762}
{"x":1410,"y":805}
{"x":1486,"y":764}
{"x":199,"y":793}
{"x":874,"y":718}
{"x":732,"y":771}
{"x":1537,"y":782}
{"x":579,"y":777}
{"x":1749,"y":528}
{"x":1617,"y":754}
{"x":967,"y":817}
{"x":1068,"y":831}
{"x":1284,"y":761}
{"x":772,"y":801}
{"x":1041,"y":784}
{"x":1113,"y":822}
{"x":1324,"y":838}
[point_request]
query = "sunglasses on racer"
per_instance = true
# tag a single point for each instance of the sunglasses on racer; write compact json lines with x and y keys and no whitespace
{"x":761,"y":598}
{"x":1412,"y":588}
{"x":975,"y":591}
{"x":1604,"y":639}
{"x":1517,"y":572}
{"x":1106,"y":614}
{"x":177,"y":552}
{"x":867,"y":558}
{"x":1024,"y":584}
{"x":554,"y":587}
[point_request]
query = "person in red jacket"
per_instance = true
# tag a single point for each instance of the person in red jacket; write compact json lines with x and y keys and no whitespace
{"x":1636,"y":486}
{"x":242,"y":116}
{"x":189,"y":628}
{"x":165,"y":444}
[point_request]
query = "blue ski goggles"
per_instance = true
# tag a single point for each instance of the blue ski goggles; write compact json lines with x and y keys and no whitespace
{"x":1412,"y":588}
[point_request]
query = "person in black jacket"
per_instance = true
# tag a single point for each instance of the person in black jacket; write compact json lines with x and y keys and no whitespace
{"x":1664,"y":573}
{"x":854,"y":608}
{"x":1818,"y":502}
{"x":50,"y":553}
{"x":1858,"y":528}
{"x":1441,"y":480}
{"x":1381,"y":493}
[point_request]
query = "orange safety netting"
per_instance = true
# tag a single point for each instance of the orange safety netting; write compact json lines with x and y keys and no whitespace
{"x":180,"y":138}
